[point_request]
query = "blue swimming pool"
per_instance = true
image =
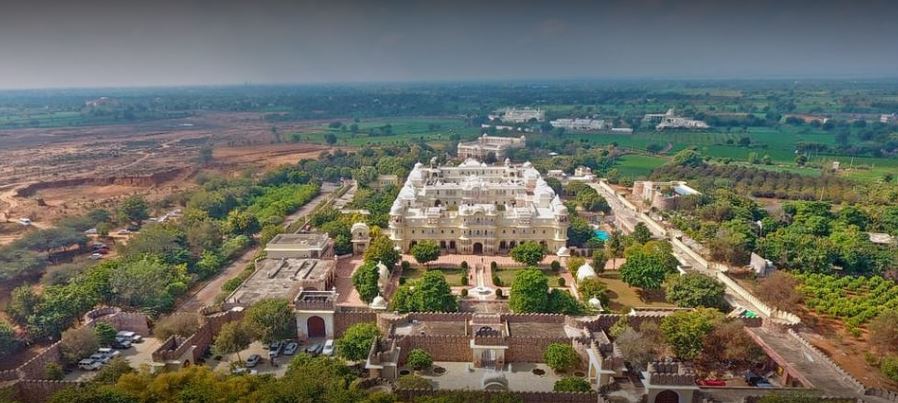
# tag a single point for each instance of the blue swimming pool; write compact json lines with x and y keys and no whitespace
{"x":601,"y":235}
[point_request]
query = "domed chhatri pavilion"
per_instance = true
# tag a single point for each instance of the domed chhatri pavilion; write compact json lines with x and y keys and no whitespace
{"x":585,"y":272}
{"x":475,"y":208}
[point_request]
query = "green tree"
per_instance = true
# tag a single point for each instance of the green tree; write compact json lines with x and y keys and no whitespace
{"x":648,"y":265}
{"x":560,"y":356}
{"x":271,"y":319}
{"x":133,"y":209}
{"x":572,"y":384}
{"x":579,"y":232}
{"x":233,"y":337}
{"x":356,"y":341}
{"x":242,"y":223}
{"x":23,"y":302}
{"x":694,"y":290}
{"x":113,"y":370}
{"x":429,"y":294}
{"x":164,"y":241}
{"x":382,"y":250}
{"x":202,"y":236}
{"x":105,"y":333}
{"x":426,"y":251}
{"x":688,"y":158}
{"x":593,"y":287}
{"x":889,"y":367}
{"x":641,"y":233}
{"x":78,"y":343}
{"x":529,"y":292}
{"x":419,"y":359}
{"x":147,"y":283}
{"x":685,"y":331}
{"x":365,"y":281}
{"x":528,"y":253}
{"x":330,"y":138}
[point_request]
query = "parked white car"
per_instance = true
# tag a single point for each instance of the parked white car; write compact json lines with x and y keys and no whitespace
{"x":328,"y":349}
{"x":88,"y":364}
{"x":109,"y":352}
{"x":134,"y":337}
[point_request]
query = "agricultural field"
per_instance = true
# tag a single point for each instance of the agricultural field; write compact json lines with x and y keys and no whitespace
{"x":855,"y":300}
{"x":638,"y":165}
{"x":389,"y":131}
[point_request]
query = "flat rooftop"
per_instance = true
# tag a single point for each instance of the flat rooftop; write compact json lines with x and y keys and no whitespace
{"x":282,"y":278}
{"x":302,"y":241}
{"x":431,"y":327}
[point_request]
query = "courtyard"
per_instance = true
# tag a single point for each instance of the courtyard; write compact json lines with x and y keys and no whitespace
{"x":519,"y":376}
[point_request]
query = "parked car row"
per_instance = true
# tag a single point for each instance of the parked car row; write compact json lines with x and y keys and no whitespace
{"x":326,"y":348}
{"x":285,"y":347}
{"x":98,"y":359}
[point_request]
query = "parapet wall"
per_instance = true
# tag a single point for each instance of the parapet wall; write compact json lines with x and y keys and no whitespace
{"x":408,"y":395}
{"x":35,"y":368}
{"x":442,"y":348}
{"x":343,"y":320}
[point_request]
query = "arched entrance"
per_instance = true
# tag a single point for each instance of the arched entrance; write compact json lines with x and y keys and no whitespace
{"x":452,"y":245}
{"x":478,"y":248}
{"x":442,"y":244}
{"x":437,"y":203}
{"x":316,"y":327}
{"x":667,"y":396}
{"x":503,"y":245}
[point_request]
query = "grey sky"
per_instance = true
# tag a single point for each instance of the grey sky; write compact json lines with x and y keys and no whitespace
{"x":63,"y":43}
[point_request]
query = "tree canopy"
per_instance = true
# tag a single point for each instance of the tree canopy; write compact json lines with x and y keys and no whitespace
{"x":694,"y":290}
{"x":528,"y":253}
{"x":425,"y":251}
{"x":648,"y":265}
{"x":356,"y":341}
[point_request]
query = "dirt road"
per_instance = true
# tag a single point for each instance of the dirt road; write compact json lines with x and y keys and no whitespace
{"x":206,"y":294}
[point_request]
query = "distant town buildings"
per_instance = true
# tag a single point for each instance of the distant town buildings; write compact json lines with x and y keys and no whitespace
{"x":475,"y":208}
{"x":581,"y":124}
{"x":478,"y":149}
{"x":101,"y":101}
{"x":662,"y":195}
{"x":889,"y":119}
{"x":520,"y":115}
{"x":670,"y":120}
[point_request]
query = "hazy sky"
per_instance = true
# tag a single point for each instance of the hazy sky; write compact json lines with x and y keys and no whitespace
{"x":66,"y":43}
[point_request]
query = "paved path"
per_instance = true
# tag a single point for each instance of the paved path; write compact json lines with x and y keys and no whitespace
{"x":206,"y":293}
{"x":811,"y":364}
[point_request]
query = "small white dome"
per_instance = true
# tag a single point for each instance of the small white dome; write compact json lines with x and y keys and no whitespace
{"x":586,"y":271}
{"x":563,"y":251}
{"x":378,"y":303}
{"x":359,"y":226}
{"x":382,"y":271}
{"x":595,"y":303}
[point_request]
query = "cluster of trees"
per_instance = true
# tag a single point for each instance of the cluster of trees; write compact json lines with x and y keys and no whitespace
{"x":430,"y":293}
{"x":765,"y":183}
{"x":854,"y":299}
{"x":648,"y":264}
{"x":530,"y":293}
{"x":812,"y":238}
{"x":267,"y":320}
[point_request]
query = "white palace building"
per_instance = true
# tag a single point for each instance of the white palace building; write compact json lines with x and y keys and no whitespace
{"x":477,"y":209}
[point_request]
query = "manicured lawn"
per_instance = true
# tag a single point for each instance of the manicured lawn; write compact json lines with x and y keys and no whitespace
{"x":453,"y":275}
{"x":623,"y":297}
{"x":506,"y":275}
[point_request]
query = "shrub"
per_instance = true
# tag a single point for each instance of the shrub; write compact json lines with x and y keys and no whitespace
{"x":555,"y":265}
{"x":889,"y":367}
{"x":464,"y":280}
{"x":561,"y":281}
{"x":405,"y":265}
{"x":105,"y":333}
{"x":356,"y":341}
{"x":496,"y":280}
{"x":560,"y":356}
{"x":413,"y":382}
{"x":464,"y":265}
{"x":464,"y":292}
{"x":499,"y":293}
{"x":494,"y":266}
{"x":53,"y":372}
{"x":419,"y":359}
{"x":572,"y":384}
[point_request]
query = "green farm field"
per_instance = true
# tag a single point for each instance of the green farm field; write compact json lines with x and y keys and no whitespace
{"x":404,"y":130}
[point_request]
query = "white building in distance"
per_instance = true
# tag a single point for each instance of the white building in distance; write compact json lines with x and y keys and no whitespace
{"x":475,"y":208}
{"x":522,"y":115}
{"x":478,"y":149}
{"x":670,"y":120}
{"x":889,"y":118}
{"x":581,"y":124}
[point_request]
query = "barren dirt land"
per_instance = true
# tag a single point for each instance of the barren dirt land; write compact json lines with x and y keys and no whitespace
{"x":48,"y":173}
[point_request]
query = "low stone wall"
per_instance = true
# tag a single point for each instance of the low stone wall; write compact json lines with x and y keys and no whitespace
{"x":530,"y":349}
{"x":773,"y":313}
{"x":128,"y":321}
{"x":343,"y":320}
{"x":174,"y":348}
{"x":756,"y":399}
{"x":533,"y":318}
{"x":441,"y":348}
{"x":35,"y":368}
{"x":9,"y":375}
{"x":857,"y":384}
{"x":408,"y":395}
